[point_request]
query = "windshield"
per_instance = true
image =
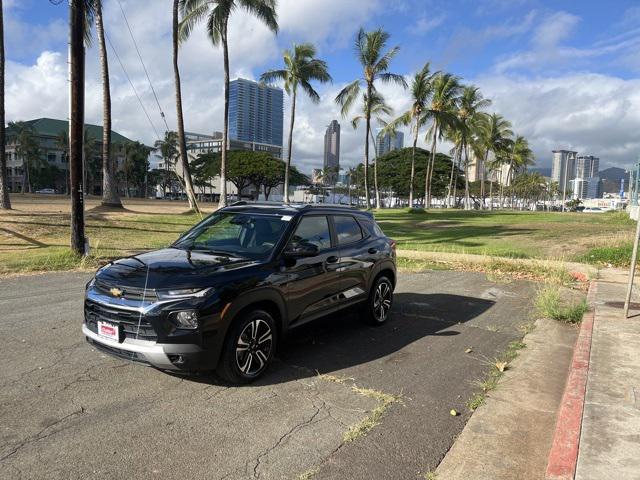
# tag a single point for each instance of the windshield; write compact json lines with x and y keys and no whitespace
{"x":249,"y":235}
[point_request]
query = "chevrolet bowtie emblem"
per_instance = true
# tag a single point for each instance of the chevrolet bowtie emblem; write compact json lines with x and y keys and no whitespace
{"x":116,"y":292}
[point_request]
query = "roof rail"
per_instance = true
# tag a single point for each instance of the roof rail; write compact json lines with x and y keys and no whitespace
{"x":293,"y":205}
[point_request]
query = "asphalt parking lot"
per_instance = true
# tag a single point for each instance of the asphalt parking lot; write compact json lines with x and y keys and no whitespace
{"x":68,"y":411}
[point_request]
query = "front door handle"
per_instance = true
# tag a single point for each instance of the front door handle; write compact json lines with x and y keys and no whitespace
{"x":373,"y":251}
{"x":332,"y":259}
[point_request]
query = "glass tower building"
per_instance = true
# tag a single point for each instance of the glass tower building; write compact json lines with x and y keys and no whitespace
{"x":255,"y":112}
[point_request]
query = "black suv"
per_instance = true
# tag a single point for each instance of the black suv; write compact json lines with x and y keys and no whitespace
{"x":227,"y":290}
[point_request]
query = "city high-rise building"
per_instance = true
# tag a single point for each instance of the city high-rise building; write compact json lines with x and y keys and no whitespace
{"x":587,"y":166}
{"x":564,"y":162}
{"x":331,"y":163}
{"x":255,"y":113}
{"x":387,"y":142}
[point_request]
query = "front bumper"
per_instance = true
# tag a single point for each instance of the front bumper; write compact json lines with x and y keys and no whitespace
{"x":176,"y":357}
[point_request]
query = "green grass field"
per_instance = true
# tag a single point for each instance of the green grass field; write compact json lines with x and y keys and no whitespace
{"x":512,"y":234}
{"x":35,"y":236}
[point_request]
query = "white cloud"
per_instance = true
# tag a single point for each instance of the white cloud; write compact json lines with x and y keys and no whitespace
{"x":425,"y":24}
{"x":593,"y":114}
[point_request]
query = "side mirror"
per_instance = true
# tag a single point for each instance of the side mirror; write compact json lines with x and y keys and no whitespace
{"x":301,"y":250}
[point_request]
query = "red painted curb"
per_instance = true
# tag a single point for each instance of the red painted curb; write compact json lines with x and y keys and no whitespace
{"x":563,"y":455}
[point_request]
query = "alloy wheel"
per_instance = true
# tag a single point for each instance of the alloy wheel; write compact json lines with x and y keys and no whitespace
{"x":382,"y":301}
{"x":254,"y":347}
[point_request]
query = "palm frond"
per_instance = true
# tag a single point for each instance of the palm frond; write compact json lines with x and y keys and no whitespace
{"x":347,"y":96}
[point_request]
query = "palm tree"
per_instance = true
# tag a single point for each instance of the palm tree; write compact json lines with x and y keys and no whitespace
{"x":217,"y":13}
{"x":27,"y":149}
{"x":377,"y":109}
{"x":110,"y":194}
{"x":442,"y":112}
{"x":421,"y":91}
{"x":494,"y":133}
{"x":520,"y":157}
{"x":5,"y":201}
{"x":375,"y":62}
{"x":168,"y":147}
{"x":469,"y":114}
{"x":301,"y":67}
{"x":182,"y":142}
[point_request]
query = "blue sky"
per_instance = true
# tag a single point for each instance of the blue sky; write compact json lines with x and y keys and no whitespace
{"x":564,"y":72}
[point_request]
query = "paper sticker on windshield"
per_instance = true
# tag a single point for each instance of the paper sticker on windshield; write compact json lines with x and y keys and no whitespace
{"x":286,"y":218}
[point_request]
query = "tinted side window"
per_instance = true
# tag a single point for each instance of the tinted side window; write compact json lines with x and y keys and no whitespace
{"x":347,"y":229}
{"x":313,"y":230}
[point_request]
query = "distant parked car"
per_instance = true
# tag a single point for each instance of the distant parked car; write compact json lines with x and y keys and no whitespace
{"x":593,"y":210}
{"x":48,"y":191}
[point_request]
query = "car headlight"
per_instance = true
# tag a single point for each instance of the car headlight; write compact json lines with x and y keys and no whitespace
{"x":185,"y":319}
{"x":175,"y":294}
{"x":90,"y":283}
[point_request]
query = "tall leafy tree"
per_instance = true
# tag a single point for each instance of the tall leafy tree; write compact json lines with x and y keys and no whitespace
{"x":494,"y":136}
{"x":375,"y":60}
{"x":376,"y":109}
{"x":217,"y":14}
{"x":301,"y":68}
{"x":27,"y":149}
{"x":182,"y":142}
{"x":519,"y":157}
{"x":168,"y":148}
{"x":469,"y":114}
{"x":442,"y":113}
{"x":110,"y":194}
{"x":5,"y":201}
{"x":421,"y":90}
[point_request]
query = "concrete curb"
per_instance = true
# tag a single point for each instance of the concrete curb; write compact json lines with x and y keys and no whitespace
{"x":563,"y":456}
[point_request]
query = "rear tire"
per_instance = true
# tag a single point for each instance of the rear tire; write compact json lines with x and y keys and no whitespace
{"x":379,"y":302}
{"x":248,"y":348}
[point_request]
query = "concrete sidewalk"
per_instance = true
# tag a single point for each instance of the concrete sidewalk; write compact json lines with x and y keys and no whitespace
{"x":610,"y":436}
{"x":509,"y":438}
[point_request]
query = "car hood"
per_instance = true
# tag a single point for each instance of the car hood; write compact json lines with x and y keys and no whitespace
{"x":170,"y":268}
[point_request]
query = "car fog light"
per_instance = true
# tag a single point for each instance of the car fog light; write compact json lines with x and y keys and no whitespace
{"x":186,"y":319}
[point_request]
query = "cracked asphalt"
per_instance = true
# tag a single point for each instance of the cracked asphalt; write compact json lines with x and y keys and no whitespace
{"x":68,"y":411}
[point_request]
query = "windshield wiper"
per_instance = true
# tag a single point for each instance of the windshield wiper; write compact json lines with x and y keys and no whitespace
{"x":209,"y":250}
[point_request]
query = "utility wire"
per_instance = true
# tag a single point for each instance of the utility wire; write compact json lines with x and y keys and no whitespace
{"x":132,"y":86}
{"x":135,"y":44}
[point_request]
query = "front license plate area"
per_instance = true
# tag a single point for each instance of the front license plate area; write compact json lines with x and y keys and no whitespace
{"x":109,"y":331}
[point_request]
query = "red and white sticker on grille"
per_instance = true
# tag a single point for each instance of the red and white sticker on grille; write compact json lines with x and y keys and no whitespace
{"x":109,"y":330}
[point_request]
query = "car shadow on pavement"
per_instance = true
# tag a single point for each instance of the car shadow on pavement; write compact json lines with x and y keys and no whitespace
{"x":342,"y":340}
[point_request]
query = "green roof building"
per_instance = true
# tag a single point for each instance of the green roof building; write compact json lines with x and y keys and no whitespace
{"x":49,"y":163}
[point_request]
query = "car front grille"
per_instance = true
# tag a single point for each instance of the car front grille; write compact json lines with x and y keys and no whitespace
{"x":132,"y":323}
{"x":128,"y":293}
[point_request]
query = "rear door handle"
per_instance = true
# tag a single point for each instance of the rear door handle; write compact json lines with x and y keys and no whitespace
{"x":373,"y":250}
{"x":332,"y":259}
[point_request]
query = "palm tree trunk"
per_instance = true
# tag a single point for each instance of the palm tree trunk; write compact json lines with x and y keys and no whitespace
{"x":77,"y":10}
{"x":467,"y":199}
{"x":289,"y":146}
{"x":455,"y":178}
{"x":490,"y":193}
{"x":182,"y":142}
{"x":413,"y":165}
{"x":366,"y":146}
{"x":427,"y":185}
{"x":109,"y":187}
{"x":225,"y":131}
{"x":482,"y":172}
{"x":453,"y":169}
{"x":375,"y":173}
{"x":5,"y":201}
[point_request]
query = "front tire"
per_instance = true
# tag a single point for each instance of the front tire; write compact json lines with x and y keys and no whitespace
{"x":379,"y":302}
{"x":248,"y":348}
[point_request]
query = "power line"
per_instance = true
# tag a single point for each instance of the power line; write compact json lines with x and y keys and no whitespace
{"x":132,"y":86}
{"x":135,"y":44}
